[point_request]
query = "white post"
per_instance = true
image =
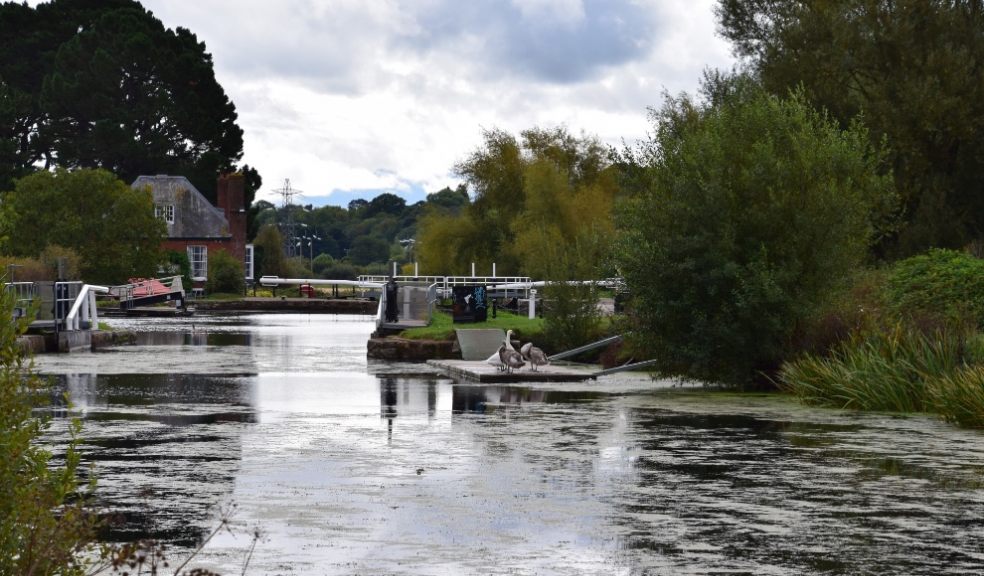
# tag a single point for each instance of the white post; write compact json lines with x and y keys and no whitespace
{"x":473,"y":269}
{"x":394,"y":268}
{"x":493,"y":269}
{"x":416,"y":272}
{"x":532,"y":303}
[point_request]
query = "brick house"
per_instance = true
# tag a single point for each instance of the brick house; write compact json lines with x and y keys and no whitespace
{"x":197,"y":227}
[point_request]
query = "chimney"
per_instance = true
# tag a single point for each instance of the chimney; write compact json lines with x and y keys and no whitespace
{"x":231,"y":199}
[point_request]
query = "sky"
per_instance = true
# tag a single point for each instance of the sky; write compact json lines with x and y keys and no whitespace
{"x":351,"y":98}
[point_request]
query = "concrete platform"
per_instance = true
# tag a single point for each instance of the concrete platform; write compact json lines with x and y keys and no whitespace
{"x":479,"y":371}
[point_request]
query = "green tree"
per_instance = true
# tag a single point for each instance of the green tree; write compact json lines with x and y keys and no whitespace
{"x":106,"y":85}
{"x":44,"y":526}
{"x":225,"y":273}
{"x":110,"y":226}
{"x":543,"y":190}
{"x":912,"y":68}
{"x":368,"y":249}
{"x":269,"y":251}
{"x":747,"y":211}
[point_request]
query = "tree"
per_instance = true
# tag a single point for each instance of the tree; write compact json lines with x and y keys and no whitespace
{"x":110,"y":226}
{"x":912,"y":69}
{"x":446,"y":199}
{"x":368,"y":249}
{"x":269,"y":251}
{"x":105,"y":85}
{"x":385,"y":204}
{"x":748,"y":210}
{"x":542,"y":191}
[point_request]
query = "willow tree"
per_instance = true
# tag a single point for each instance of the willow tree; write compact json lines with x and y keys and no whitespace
{"x":535,"y":197}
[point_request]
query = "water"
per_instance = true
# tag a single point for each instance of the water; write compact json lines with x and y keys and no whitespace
{"x":349,"y":467}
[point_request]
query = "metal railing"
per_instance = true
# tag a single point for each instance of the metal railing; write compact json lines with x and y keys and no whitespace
{"x":25,"y":293}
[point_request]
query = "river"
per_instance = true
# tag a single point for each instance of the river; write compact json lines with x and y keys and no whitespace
{"x":345,"y":466}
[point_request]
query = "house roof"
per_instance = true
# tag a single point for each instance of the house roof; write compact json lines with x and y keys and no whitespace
{"x":194,"y":216}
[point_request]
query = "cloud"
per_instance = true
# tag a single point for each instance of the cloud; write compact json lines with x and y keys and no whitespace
{"x":342,"y":95}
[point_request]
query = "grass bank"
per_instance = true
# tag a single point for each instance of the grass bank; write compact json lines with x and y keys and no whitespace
{"x":442,"y":326}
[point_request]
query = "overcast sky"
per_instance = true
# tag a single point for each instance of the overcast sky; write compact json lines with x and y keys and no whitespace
{"x":365,"y":96}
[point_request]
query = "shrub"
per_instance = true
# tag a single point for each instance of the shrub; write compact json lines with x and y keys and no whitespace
{"x":44,"y":526}
{"x":225,"y":273}
{"x":941,"y":286}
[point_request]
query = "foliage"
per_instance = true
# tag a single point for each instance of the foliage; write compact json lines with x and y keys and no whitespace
{"x":178,"y":264}
{"x":876,"y":371}
{"x":225,"y":273}
{"x":44,"y":525}
{"x":534,"y":197}
{"x":268,"y":250}
{"x":747,"y":210}
{"x":912,"y":70}
{"x":106,"y":85}
{"x":958,"y":396}
{"x":901,"y":370}
{"x":945,"y":284}
{"x":110,"y":226}
{"x":368,"y":249}
{"x":42,"y":268}
{"x":321,"y":263}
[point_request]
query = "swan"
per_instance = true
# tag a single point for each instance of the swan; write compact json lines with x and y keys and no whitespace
{"x":508,"y":340}
{"x":510,"y":358}
{"x":494,"y":360}
{"x":534,"y":356}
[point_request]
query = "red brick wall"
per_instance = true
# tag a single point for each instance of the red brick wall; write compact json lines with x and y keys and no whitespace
{"x":231,"y":199}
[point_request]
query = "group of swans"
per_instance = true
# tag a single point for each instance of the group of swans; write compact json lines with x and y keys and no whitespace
{"x":508,"y":359}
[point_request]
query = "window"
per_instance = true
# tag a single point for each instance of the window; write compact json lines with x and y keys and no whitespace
{"x":248,"y":262}
{"x":198,"y":258}
{"x":164,"y":212}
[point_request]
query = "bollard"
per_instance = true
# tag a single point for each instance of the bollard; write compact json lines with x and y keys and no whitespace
{"x":532,"y":303}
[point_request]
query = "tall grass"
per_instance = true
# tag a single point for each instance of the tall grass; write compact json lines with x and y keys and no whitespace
{"x":901,"y":370}
{"x":959,"y":396}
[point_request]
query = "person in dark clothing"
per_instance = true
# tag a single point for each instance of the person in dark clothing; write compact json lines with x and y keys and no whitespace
{"x":392,"y":289}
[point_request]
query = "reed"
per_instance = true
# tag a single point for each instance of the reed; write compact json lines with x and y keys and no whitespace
{"x":959,"y":396}
{"x":880,"y":371}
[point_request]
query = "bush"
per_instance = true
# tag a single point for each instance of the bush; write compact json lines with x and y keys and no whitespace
{"x":941,"y":286}
{"x":225,"y":273}
{"x":747,"y":213}
{"x":44,"y":527}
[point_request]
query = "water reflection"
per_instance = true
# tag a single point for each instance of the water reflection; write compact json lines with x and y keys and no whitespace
{"x":166,"y":448}
{"x":356,"y":470}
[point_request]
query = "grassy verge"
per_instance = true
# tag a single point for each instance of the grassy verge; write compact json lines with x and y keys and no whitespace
{"x":442,"y":327}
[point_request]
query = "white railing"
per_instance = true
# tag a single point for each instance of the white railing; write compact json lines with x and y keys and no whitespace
{"x":84,"y":312}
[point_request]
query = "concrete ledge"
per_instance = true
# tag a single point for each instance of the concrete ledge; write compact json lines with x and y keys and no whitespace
{"x":31,"y":343}
{"x":486,"y":373}
{"x":405,"y":350}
